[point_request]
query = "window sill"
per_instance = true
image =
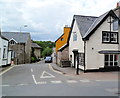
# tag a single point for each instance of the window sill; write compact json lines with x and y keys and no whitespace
{"x":109,"y":43}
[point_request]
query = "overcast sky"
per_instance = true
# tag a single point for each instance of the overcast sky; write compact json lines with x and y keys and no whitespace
{"x":45,"y":19}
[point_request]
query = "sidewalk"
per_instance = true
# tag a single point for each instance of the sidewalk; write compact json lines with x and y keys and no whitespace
{"x":68,"y":71}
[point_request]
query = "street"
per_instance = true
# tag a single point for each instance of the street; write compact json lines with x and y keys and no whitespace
{"x":39,"y":79}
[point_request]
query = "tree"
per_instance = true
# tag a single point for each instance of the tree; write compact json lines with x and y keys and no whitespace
{"x":47,"y":52}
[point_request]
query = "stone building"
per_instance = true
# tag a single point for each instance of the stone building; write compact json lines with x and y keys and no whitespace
{"x":37,"y":50}
{"x":20,"y":45}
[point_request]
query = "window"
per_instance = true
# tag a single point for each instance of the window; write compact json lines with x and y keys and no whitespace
{"x":12,"y":42}
{"x":115,"y":25}
{"x":111,"y":60}
{"x":62,"y":39}
{"x":113,"y":37}
{"x":13,"y":54}
{"x":81,"y":59}
{"x":106,"y":37}
{"x":4,"y":53}
{"x":74,"y":36}
{"x":109,"y":37}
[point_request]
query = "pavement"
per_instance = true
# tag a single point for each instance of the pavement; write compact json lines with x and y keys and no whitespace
{"x":69,"y":71}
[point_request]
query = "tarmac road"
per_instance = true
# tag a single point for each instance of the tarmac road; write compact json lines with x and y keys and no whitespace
{"x":39,"y":79}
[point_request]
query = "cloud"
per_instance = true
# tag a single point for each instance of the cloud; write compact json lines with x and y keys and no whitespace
{"x":46,"y":18}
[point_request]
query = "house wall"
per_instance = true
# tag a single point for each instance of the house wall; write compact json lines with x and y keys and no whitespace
{"x":19,"y":53}
{"x":4,"y":45}
{"x":79,"y":44}
{"x":1,"y":51}
{"x":65,"y":54}
{"x":59,"y":42}
{"x":37,"y":52}
{"x":94,"y":60}
{"x":28,"y":50}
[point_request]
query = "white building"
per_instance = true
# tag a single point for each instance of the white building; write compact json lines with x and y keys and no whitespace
{"x":5,"y":54}
{"x":94,"y":42}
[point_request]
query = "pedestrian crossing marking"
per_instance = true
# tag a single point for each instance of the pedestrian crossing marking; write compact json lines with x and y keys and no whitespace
{"x":46,"y":75}
{"x":85,"y":80}
{"x":56,"y":82}
{"x":71,"y":81}
{"x":42,"y":82}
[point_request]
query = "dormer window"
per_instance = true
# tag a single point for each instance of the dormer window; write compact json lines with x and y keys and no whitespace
{"x":12,"y":42}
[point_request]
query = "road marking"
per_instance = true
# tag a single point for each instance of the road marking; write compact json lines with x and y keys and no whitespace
{"x":31,"y":70}
{"x":71,"y":81}
{"x":55,"y":70}
{"x":42,"y":82}
{"x":34,"y":79}
{"x":6,"y":70}
{"x":4,"y":85}
{"x":46,"y":75}
{"x":105,"y":80}
{"x":85,"y":80}
{"x":113,"y":90}
{"x":56,"y":82}
{"x":22,"y":84}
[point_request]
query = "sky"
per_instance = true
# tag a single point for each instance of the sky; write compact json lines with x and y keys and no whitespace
{"x":45,"y":19}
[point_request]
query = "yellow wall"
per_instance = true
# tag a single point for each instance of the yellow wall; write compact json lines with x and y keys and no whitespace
{"x":59,"y":42}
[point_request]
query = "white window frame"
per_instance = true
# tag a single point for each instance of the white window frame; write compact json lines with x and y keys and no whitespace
{"x":74,"y":36}
{"x":111,"y":61}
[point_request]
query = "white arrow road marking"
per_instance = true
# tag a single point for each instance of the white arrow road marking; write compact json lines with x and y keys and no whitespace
{"x":56,"y":82}
{"x":34,"y":79}
{"x":46,"y":75}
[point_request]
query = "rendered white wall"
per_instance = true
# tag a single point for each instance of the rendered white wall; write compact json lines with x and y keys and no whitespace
{"x":94,"y":60}
{"x":79,"y":44}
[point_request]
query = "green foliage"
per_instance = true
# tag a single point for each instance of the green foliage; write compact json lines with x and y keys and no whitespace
{"x":47,"y":52}
{"x":46,"y":47}
{"x":33,"y":57}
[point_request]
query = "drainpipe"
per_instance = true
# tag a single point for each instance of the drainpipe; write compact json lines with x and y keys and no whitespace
{"x":84,"y":55}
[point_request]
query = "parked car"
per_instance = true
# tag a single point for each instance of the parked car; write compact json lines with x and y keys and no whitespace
{"x":48,"y":59}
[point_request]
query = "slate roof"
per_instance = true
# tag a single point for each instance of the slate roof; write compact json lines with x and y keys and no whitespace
{"x":84,"y":22}
{"x":34,"y":45}
{"x":97,"y":23}
{"x":17,"y":36}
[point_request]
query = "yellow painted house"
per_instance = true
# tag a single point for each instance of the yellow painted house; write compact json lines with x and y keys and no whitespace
{"x":62,"y":48}
{"x":62,"y":40}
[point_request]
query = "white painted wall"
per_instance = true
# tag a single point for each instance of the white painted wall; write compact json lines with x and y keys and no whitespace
{"x":94,"y":60}
{"x":79,"y":44}
{"x":0,"y":51}
{"x":5,"y":45}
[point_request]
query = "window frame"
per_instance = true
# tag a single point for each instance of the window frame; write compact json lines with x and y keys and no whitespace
{"x":74,"y":36}
{"x":111,"y":60}
{"x":110,"y":41}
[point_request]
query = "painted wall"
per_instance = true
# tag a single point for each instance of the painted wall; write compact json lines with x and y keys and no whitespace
{"x":79,"y":44}
{"x":94,"y":60}
{"x":4,"y":45}
{"x":64,"y":37}
{"x":0,"y":51}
